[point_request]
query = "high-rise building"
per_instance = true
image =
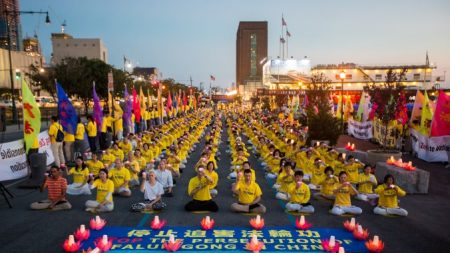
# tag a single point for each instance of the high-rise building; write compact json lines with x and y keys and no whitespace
{"x":64,"y":45}
{"x":9,"y":14}
{"x":31,"y":46}
{"x":251,"y":50}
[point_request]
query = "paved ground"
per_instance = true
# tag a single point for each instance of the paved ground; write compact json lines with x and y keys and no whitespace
{"x":426,"y":229}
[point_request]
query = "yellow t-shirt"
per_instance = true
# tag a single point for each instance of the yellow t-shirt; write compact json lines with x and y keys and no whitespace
{"x":318,"y":175}
{"x":328,"y":185}
{"x":108,"y":158}
{"x":118,"y":124}
{"x":118,"y":153}
{"x":79,"y":135}
{"x":94,"y":167}
{"x":366,"y":187}
{"x":53,"y":131}
{"x":103,"y":189}
{"x":285,"y":181}
{"x":343,"y":196}
{"x":214,"y":176}
{"x":119,"y":176}
{"x":126,"y":147}
{"x":352,"y":172}
{"x":388,"y":196}
{"x":69,"y":137}
{"x":92,"y":129}
{"x":79,"y":176}
{"x":203,"y":194}
{"x":135,"y":169}
{"x":300,"y":195}
{"x":248,"y":193}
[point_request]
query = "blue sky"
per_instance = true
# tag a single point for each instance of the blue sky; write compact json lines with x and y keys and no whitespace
{"x":197,"y":37}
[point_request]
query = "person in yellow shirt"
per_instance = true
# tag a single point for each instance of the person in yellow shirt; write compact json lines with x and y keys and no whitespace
{"x":105,"y":131}
{"x":107,"y":157}
{"x":118,"y":127}
{"x":284,"y":180}
{"x":69,"y":140}
{"x":105,"y":188}
{"x":388,"y":202}
{"x":92,"y":133}
{"x":299,"y":195}
{"x":120,"y":177}
{"x":133,"y":166}
{"x":198,"y":190}
{"x":328,"y":185}
{"x":318,"y":174}
{"x":366,"y":182}
{"x":249,"y":195}
{"x":352,"y":168}
{"x":94,"y":165}
{"x":342,"y":202}
{"x":56,"y":146}
{"x":117,"y":152}
{"x":79,"y":138}
{"x":125,"y":146}
{"x":211,"y":172}
{"x":80,"y":175}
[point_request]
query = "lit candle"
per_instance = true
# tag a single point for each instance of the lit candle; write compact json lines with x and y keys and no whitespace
{"x":392,"y":158}
{"x":96,"y":250}
{"x":317,"y":143}
{"x":341,"y":250}
{"x":156,"y":219}
{"x":409,"y":164}
{"x":105,"y":239}
{"x":171,"y":239}
{"x":82,"y":228}
{"x":376,"y":240}
{"x":400,"y":160}
{"x":352,"y":222}
{"x":332,"y":242}
{"x":344,"y":155}
{"x":302,"y":220}
{"x":71,"y":240}
{"x":360,"y":230}
{"x":207,"y":220}
{"x":254,"y":239}
{"x":348,"y":144}
{"x":353,"y":146}
{"x":258,"y":219}
{"x":97,"y":219}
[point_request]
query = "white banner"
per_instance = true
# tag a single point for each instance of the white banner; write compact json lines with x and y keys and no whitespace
{"x":45,"y":146}
{"x":430,"y":149}
{"x":360,"y":130}
{"x":13,"y":160}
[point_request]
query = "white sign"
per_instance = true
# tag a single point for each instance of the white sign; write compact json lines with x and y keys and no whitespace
{"x":360,"y":130}
{"x":13,"y":160}
{"x":45,"y":146}
{"x":430,"y":149}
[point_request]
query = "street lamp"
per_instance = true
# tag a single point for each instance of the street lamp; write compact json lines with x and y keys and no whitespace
{"x":11,"y":72}
{"x":342,"y":76}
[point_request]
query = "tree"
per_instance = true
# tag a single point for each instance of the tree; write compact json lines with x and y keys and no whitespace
{"x":322,"y":125}
{"x":385,"y":98}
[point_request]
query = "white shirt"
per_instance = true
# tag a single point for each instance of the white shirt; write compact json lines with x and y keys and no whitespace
{"x":152,"y":192}
{"x":164,"y":177}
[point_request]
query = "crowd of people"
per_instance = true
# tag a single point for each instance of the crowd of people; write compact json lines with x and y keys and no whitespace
{"x":154,"y":159}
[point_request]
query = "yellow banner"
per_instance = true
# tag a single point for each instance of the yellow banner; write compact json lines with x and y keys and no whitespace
{"x":31,"y":117}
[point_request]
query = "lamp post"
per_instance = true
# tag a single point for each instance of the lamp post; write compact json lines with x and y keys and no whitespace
{"x":11,"y":72}
{"x":342,"y":77}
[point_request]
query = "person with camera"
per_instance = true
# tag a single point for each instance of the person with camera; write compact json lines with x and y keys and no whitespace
{"x":388,"y":202}
{"x":55,"y":131}
{"x":105,"y":189}
{"x":57,"y":187}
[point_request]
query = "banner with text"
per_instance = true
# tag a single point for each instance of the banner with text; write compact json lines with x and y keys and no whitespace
{"x":360,"y":130}
{"x":231,"y":239}
{"x":45,"y":146}
{"x":13,"y":160}
{"x":392,"y":135}
{"x":430,"y":149}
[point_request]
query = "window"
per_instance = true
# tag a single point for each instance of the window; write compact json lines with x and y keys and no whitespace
{"x":416,"y":77}
{"x":253,"y":61}
{"x":93,"y":44}
{"x":378,"y":77}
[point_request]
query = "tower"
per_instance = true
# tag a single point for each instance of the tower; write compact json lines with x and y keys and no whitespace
{"x":13,"y":19}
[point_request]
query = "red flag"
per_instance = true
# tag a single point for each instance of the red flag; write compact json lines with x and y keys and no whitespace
{"x":401,"y":113}
{"x":441,"y":123}
{"x":184,"y":100}
{"x":169,"y":103}
{"x":136,"y":107}
{"x":213,"y":78}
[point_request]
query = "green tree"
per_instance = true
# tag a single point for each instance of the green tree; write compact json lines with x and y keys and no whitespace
{"x":322,"y":125}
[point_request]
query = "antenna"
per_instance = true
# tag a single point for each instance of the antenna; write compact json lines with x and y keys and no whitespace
{"x":63,"y":26}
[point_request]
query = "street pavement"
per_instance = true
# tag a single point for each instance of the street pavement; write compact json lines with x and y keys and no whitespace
{"x":426,"y":229}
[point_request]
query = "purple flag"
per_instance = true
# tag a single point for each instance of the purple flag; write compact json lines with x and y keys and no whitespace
{"x":128,"y":105}
{"x":98,"y":114}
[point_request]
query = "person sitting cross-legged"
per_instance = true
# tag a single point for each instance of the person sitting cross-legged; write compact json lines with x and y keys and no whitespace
{"x":249,"y":194}
{"x":342,"y":202}
{"x":198,"y":190}
{"x":105,"y":188}
{"x":299,"y":195}
{"x":57,"y":187}
{"x":388,"y":203}
{"x":153,"y":190}
{"x":120,"y":177}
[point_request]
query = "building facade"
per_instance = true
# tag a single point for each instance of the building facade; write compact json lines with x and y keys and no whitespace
{"x":9,"y":15}
{"x":21,"y":62}
{"x":64,"y":45}
{"x":251,"y":49}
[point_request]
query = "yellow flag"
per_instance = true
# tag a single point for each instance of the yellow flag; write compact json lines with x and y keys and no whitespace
{"x":338,"y":110}
{"x":31,"y":117}
{"x":110,"y":102}
{"x":142,"y":98}
{"x":427,"y":115}
{"x":149,"y":99}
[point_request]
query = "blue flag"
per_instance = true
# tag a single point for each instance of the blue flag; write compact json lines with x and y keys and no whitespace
{"x":66,"y":112}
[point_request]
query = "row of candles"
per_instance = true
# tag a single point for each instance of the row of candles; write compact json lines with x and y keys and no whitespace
{"x":400,"y":163}
{"x":104,"y":243}
{"x":350,"y":147}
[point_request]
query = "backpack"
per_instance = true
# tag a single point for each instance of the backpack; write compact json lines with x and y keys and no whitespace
{"x":59,"y":136}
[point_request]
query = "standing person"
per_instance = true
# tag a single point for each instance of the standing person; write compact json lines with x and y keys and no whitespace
{"x":388,"y":202}
{"x":80,"y":174}
{"x":57,"y":186}
{"x":105,"y":188}
{"x":153,"y":190}
{"x":118,"y":127}
{"x":342,"y":202}
{"x":79,"y":138}
{"x":106,"y":131}
{"x":249,"y":195}
{"x":198,"y":190}
{"x":55,"y":132}
{"x":92,"y":133}
{"x":69,"y":140}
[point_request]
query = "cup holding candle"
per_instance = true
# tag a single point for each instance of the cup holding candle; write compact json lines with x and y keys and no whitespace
{"x":70,"y":245}
{"x":360,"y":233}
{"x":302,"y":224}
{"x":257,"y":223}
{"x":82,"y":233}
{"x":103,"y":243}
{"x":330,"y":245}
{"x":375,"y":245}
{"x":172,"y":244}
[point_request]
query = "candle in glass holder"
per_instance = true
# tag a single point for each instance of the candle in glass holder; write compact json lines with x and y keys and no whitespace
{"x":82,"y":228}
{"x":302,"y":220}
{"x":105,"y":239}
{"x":376,"y":240}
{"x":332,"y":241}
{"x":71,"y":240}
{"x":360,"y":230}
{"x":341,"y":250}
{"x":171,"y":239}
{"x":258,"y":219}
